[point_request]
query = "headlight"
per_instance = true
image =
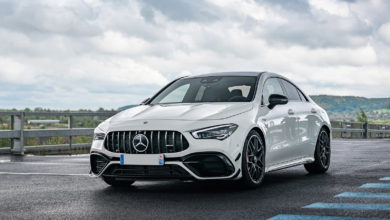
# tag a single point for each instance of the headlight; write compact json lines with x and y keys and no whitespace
{"x":99,"y":136}
{"x":219,"y":132}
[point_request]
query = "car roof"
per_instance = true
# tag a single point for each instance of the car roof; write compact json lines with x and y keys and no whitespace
{"x":257,"y":74}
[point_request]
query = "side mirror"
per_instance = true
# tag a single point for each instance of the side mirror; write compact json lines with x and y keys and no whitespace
{"x":145,"y":101}
{"x":276,"y":99}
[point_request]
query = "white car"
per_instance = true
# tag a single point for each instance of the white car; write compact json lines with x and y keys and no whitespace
{"x":233,"y":126}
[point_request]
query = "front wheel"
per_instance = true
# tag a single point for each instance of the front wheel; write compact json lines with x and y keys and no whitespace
{"x":321,"y":155}
{"x":117,"y":183}
{"x":253,"y":160}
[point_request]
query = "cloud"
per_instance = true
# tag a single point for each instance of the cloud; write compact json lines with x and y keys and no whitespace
{"x":94,"y":53}
{"x":13,"y":71}
{"x":333,"y":7}
{"x":180,"y":11}
{"x":384,"y":32}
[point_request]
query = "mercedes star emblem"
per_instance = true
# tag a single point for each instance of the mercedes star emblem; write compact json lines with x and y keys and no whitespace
{"x":140,"y":143}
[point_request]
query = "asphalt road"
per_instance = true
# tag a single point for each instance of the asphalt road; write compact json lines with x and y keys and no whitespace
{"x":58,"y":187}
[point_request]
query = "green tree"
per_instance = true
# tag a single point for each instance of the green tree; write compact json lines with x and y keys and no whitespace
{"x":362,"y":117}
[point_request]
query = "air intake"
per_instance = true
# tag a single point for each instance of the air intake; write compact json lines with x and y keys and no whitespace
{"x":98,"y":163}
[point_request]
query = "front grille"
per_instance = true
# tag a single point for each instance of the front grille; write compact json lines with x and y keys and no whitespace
{"x":159,"y":142}
{"x":168,"y":171}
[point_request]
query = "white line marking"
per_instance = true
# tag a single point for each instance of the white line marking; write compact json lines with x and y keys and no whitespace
{"x":45,"y":174}
{"x":64,"y":156}
{"x":42,"y":163}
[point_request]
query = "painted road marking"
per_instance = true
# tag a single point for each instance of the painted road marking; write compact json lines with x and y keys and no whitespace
{"x":42,"y":163}
{"x":350,"y":206}
{"x":347,"y":206}
{"x":367,"y":195}
{"x":376,"y":185}
{"x":309,"y":217}
{"x":45,"y":174}
{"x":64,"y":156}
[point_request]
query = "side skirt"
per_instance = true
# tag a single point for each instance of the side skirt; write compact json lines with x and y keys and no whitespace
{"x":291,"y":163}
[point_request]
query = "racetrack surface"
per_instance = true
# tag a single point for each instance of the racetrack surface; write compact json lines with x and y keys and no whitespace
{"x":58,"y":187}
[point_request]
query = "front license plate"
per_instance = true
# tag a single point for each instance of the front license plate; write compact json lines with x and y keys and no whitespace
{"x":142,"y":159}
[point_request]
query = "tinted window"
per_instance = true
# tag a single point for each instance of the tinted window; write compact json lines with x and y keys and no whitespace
{"x":209,"y":89}
{"x":271,"y":86}
{"x":303,"y":98}
{"x":292,"y":91}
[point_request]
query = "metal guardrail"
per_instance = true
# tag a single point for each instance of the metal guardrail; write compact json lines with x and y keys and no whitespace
{"x":17,"y":134}
{"x":345,"y":129}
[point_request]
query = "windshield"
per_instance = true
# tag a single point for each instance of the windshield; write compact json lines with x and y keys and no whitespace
{"x":209,"y":89}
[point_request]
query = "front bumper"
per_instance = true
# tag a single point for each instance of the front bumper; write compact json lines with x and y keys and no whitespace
{"x":221,"y":158}
{"x":200,"y":166}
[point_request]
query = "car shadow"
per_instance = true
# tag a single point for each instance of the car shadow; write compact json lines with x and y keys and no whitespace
{"x":272,"y":181}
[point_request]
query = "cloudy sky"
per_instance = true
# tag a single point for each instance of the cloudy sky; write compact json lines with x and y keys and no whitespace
{"x":72,"y":54}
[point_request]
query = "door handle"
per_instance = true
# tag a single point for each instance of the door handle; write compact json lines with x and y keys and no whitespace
{"x":313,"y":110}
{"x":290,"y":111}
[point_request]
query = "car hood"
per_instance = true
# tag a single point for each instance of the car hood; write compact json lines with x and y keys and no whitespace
{"x":189,"y":112}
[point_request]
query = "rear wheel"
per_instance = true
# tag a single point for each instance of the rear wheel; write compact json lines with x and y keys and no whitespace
{"x":253,"y":160}
{"x":321,"y":155}
{"x":117,"y":183}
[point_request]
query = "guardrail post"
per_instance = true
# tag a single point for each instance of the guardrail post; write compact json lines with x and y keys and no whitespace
{"x":70,"y":126}
{"x":17,"y":144}
{"x":344,"y":127}
{"x":384,"y":129}
{"x":365,"y":127}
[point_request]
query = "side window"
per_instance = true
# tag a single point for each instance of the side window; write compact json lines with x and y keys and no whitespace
{"x":303,"y":98}
{"x":176,"y":95}
{"x":292,"y":91}
{"x":271,"y":86}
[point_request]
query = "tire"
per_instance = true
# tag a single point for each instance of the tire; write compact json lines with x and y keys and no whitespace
{"x":117,"y":183}
{"x":321,"y":154}
{"x":253,"y":161}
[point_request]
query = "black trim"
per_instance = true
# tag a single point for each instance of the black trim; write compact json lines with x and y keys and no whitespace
{"x":98,"y":162}
{"x":109,"y":158}
{"x":235,"y":175}
{"x":137,"y":172}
{"x":295,"y":86}
{"x":238,"y":157}
{"x":242,"y":73}
{"x":203,"y":164}
{"x":209,"y":164}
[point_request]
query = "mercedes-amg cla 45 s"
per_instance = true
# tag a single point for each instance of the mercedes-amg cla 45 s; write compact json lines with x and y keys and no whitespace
{"x":233,"y":126}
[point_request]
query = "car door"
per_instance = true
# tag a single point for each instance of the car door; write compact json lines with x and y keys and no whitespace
{"x":277,"y":122}
{"x":294,"y":111}
{"x":309,"y":125}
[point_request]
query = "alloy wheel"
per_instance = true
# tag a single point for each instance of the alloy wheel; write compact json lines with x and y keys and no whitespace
{"x":324,"y":146}
{"x":255,"y":158}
